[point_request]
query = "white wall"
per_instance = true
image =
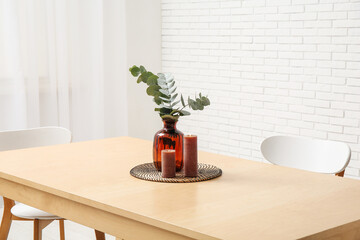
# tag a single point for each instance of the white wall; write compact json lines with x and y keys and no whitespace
{"x":143,"y":36}
{"x":270,"y":67}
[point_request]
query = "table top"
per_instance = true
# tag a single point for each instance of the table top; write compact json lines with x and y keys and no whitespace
{"x":250,"y":200}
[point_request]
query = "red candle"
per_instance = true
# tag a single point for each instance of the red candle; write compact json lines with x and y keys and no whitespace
{"x":190,"y":156}
{"x":168,"y":165}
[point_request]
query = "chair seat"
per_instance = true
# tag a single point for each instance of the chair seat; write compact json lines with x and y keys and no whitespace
{"x":24,"y":211}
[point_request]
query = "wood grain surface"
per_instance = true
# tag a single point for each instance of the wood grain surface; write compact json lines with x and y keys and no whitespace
{"x":89,"y":183}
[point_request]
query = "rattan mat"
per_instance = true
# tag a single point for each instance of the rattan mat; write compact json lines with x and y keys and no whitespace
{"x":148,"y":172}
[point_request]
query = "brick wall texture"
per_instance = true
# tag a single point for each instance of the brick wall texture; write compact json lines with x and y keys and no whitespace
{"x":269,"y":67}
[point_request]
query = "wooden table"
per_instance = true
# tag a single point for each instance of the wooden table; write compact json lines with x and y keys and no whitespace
{"x":89,"y":183}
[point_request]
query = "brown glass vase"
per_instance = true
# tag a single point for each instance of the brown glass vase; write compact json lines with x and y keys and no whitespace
{"x":169,"y":138}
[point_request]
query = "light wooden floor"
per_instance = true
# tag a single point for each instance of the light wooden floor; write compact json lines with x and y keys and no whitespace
{"x":73,"y":231}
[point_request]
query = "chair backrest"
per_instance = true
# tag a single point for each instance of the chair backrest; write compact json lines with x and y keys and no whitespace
{"x":321,"y":156}
{"x":34,"y":137}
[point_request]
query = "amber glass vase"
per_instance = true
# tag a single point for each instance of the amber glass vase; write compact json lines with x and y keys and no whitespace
{"x":169,"y":138}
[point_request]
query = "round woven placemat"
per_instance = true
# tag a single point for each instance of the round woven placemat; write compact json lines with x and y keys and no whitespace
{"x":148,"y":172}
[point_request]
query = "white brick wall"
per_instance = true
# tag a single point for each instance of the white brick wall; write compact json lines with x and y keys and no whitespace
{"x":269,"y":67}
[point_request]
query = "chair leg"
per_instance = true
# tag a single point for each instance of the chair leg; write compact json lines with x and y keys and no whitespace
{"x":39,"y":225}
{"x":6,"y":219}
{"x":99,"y":235}
{"x":62,"y":229}
{"x":37,"y":231}
{"x":340,"y":174}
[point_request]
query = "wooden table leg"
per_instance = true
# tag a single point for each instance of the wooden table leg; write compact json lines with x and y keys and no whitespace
{"x":62,"y":229}
{"x":39,"y":225}
{"x":99,"y":235}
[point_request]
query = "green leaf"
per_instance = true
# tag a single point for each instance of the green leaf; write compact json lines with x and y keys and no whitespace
{"x":164,"y":96}
{"x":205,"y":101}
{"x":184,"y":113}
{"x":171,"y":84}
{"x":172,"y":105}
{"x":192,"y":104}
{"x":174,"y":97}
{"x":144,"y":76}
{"x":199,"y":104}
{"x":165,"y":106}
{"x":161,"y":76}
{"x":172,"y":90}
{"x":164,"y":91}
{"x":165,"y":99}
{"x":135,"y":71}
{"x":165,"y":110}
{"x":142,"y":69}
{"x":157,"y":100}
{"x":182,"y":100}
{"x":162,"y":85}
{"x":169,"y":78}
{"x":153,"y":90}
{"x":152,"y":80}
{"x":161,"y":81}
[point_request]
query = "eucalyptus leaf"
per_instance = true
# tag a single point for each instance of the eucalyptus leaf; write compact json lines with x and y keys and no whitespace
{"x":172,"y":90}
{"x":165,"y":106}
{"x":164,"y":96}
{"x":166,"y":92}
{"x":171,"y":84}
{"x":174,"y":97}
{"x":157,"y":100}
{"x":162,"y":85}
{"x":152,"y":80}
{"x":165,"y":99}
{"x":142,"y":69}
{"x":182,"y":100}
{"x":152,"y":90}
{"x":161,"y":80}
{"x":205,"y":101}
{"x":165,"y":110}
{"x":169,"y":78}
{"x":161,"y":75}
{"x":192,"y":104}
{"x":144,"y":76}
{"x":174,"y":104}
{"x":135,"y":71}
{"x":185,"y":113}
{"x":199,"y":104}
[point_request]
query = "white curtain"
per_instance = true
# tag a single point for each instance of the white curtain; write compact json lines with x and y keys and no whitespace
{"x":63,"y":63}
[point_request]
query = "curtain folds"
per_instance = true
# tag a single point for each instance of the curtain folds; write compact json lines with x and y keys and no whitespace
{"x":52,"y":66}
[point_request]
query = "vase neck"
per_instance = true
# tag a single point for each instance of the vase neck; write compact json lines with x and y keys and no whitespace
{"x":169,"y":125}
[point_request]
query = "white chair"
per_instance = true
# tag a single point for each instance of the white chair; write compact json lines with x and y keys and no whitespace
{"x":322,"y":156}
{"x":36,"y":137}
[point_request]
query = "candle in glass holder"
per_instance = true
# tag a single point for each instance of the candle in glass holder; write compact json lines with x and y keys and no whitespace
{"x":190,"y":156}
{"x":168,"y":165}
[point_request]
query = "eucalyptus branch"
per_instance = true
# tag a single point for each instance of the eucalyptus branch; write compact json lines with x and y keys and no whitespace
{"x":184,"y":107}
{"x":162,"y":88}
